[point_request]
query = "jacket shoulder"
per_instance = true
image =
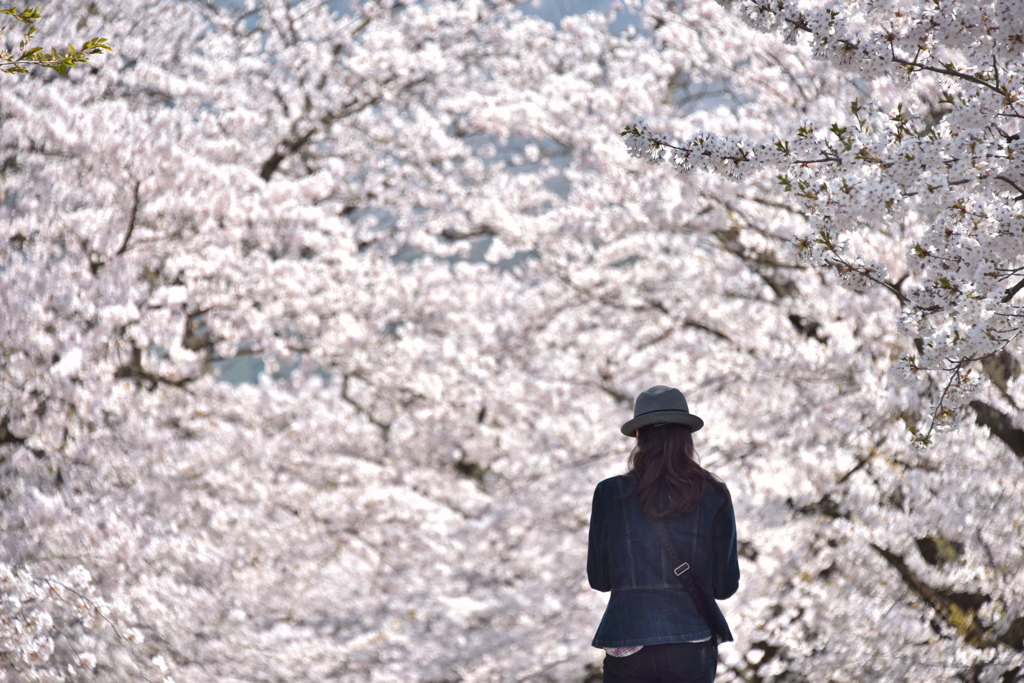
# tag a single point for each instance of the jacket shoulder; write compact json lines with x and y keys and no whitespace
{"x":720,"y":488}
{"x":614,"y":485}
{"x":719,"y":494}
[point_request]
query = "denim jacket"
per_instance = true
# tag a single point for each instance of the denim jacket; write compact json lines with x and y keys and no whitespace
{"x":648,"y":604}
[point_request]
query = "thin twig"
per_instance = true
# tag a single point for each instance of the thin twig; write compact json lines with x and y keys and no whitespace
{"x":954,"y":373}
{"x":1013,"y":185}
{"x":946,"y":71}
{"x":110,"y":623}
{"x":131,"y":218}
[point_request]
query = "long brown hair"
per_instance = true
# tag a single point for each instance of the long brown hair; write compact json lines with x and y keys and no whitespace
{"x":669,"y":478}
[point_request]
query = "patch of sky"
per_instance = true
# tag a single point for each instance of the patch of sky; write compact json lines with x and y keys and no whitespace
{"x":688,"y":96}
{"x":628,"y":261}
{"x":247,"y":368}
{"x":477,"y":253}
{"x":381,"y":220}
{"x":242,"y":369}
{"x":548,"y":10}
{"x":553,"y":11}
{"x":517,"y":155}
{"x":7,"y":198}
{"x":526,"y":155}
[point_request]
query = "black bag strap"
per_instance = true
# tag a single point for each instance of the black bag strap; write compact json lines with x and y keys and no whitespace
{"x":682,"y":571}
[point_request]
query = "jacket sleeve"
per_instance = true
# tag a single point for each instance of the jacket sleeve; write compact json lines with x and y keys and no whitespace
{"x":597,"y":547}
{"x":726,"y":576}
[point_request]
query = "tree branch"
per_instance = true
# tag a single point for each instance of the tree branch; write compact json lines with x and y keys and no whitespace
{"x":1012,"y":291}
{"x":959,"y":610}
{"x":288,"y":147}
{"x":131,"y":218}
{"x":1001,"y":426}
{"x":690,"y":322}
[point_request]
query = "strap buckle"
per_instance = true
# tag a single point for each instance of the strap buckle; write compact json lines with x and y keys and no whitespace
{"x":681,"y":569}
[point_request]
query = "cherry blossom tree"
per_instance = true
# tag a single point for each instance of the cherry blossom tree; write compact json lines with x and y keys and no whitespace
{"x":929,"y":147}
{"x":416,"y":222}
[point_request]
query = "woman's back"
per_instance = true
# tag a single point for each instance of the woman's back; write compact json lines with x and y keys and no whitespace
{"x":663,"y":541}
{"x":648,"y":604}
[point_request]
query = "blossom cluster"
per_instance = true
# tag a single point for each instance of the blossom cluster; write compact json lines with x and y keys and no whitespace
{"x":34,"y":612}
{"x":932,"y":150}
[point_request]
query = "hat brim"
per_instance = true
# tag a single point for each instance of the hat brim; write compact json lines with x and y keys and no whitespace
{"x":662,"y":417}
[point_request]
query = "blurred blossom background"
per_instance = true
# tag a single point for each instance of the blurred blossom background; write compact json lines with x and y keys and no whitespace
{"x":318,"y":322}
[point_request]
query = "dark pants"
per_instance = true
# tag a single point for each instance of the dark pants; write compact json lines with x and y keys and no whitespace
{"x":672,"y":663}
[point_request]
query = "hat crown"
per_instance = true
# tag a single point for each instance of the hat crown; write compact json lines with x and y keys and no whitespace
{"x":661,"y":405}
{"x":660,"y":398}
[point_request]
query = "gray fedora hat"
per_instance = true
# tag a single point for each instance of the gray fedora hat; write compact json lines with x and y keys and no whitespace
{"x":660,"y":405}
